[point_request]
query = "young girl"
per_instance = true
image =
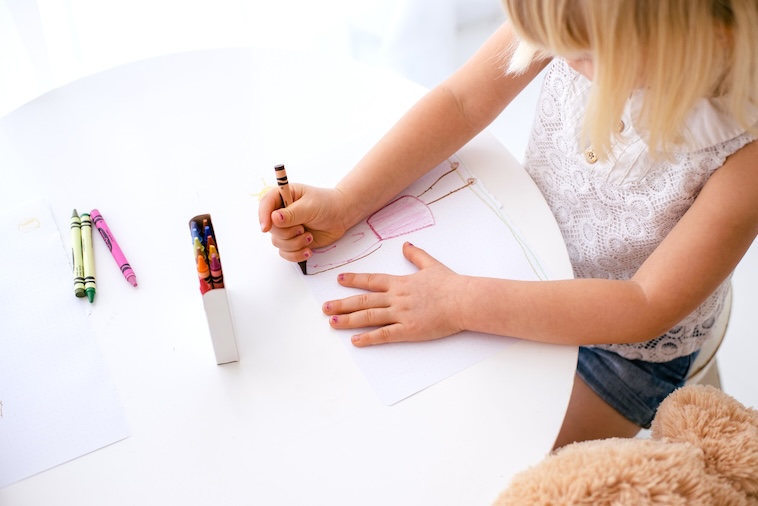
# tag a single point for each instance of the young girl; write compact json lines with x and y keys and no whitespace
{"x":644,"y":148}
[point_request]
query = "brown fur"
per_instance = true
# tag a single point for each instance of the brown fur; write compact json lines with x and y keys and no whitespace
{"x":703,"y":451}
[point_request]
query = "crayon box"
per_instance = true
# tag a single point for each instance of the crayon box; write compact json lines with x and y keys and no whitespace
{"x":209,"y":271}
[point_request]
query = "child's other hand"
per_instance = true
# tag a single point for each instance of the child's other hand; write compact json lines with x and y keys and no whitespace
{"x":316,"y":218}
{"x":418,"y":307}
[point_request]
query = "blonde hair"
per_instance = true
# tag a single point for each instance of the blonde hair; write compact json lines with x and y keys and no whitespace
{"x":678,"y":51}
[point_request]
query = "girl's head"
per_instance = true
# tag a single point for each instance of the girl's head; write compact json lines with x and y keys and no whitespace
{"x":677,"y":51}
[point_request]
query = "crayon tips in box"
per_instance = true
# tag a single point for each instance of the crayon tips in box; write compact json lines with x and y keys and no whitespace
{"x":207,"y":256}
{"x":215,"y":298}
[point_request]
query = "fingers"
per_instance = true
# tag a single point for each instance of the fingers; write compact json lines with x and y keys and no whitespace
{"x":371,"y":282}
{"x":377,"y":310}
{"x":385,"y":332}
{"x":382,"y":335}
{"x":420,"y":258}
{"x":371,"y":309}
{"x":272,"y":214}
{"x":364,"y":310}
{"x":291,"y":239}
{"x":314,"y":220}
{"x":293,"y":243}
{"x":269,"y":202}
{"x":380,"y":282}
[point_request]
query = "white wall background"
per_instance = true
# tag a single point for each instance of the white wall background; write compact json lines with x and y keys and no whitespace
{"x":48,"y":43}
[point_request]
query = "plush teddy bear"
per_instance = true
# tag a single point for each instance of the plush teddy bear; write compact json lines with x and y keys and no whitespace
{"x":703,"y":451}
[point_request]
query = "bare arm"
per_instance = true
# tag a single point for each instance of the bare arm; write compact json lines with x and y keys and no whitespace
{"x":436,"y":127}
{"x":696,"y":256}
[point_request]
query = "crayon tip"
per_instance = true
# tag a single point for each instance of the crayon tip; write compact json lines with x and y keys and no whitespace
{"x":74,"y":214}
{"x":303,"y":267}
{"x":90,"y":294}
{"x":132,"y":279}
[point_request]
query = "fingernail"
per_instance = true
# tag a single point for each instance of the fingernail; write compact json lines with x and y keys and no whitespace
{"x":341,"y":277}
{"x":327,"y":306}
{"x":410,"y":244}
{"x":309,"y":239}
{"x":307,"y":254}
{"x":335,"y":320}
{"x":280,"y":217}
{"x":263,"y":226}
{"x":355,"y":339}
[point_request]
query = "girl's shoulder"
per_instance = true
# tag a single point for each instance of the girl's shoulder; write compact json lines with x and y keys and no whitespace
{"x":562,"y":79}
{"x":709,"y":123}
{"x":564,"y":93}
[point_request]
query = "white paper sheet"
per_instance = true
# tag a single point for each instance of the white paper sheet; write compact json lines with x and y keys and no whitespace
{"x":56,"y":399}
{"x":451,"y":215}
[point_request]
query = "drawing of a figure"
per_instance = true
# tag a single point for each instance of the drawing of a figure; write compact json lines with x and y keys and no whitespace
{"x":404,"y":215}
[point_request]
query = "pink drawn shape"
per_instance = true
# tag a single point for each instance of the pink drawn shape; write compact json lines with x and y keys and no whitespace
{"x":401,"y":216}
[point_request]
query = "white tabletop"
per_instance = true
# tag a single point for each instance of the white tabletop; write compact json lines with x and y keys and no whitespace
{"x":293,"y":422}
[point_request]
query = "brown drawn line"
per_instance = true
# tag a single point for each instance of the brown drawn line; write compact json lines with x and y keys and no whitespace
{"x":453,"y":168}
{"x":407,"y":227}
{"x":347,"y":262}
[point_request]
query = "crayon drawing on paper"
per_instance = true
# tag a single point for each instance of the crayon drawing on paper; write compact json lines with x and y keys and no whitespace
{"x":403,"y":216}
{"x":450,"y":214}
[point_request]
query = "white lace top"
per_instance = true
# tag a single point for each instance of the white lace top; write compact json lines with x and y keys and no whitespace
{"x":614,"y":214}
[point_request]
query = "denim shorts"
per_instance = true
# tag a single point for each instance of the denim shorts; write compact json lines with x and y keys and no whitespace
{"x":634,"y":388}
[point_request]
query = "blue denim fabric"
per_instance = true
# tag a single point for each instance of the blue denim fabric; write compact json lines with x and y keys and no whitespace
{"x":634,"y":388}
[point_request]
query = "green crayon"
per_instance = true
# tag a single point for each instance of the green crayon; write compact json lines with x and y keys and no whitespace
{"x":88,"y":255}
{"x":199,"y":249}
{"x":76,"y":253}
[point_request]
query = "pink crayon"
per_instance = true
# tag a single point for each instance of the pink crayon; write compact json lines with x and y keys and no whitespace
{"x":110,"y":241}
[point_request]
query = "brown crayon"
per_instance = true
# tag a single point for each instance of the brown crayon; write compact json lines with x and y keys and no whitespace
{"x":286,"y":197}
{"x":284,"y":190}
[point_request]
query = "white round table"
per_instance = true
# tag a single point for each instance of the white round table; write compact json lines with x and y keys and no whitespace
{"x":155,"y":142}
